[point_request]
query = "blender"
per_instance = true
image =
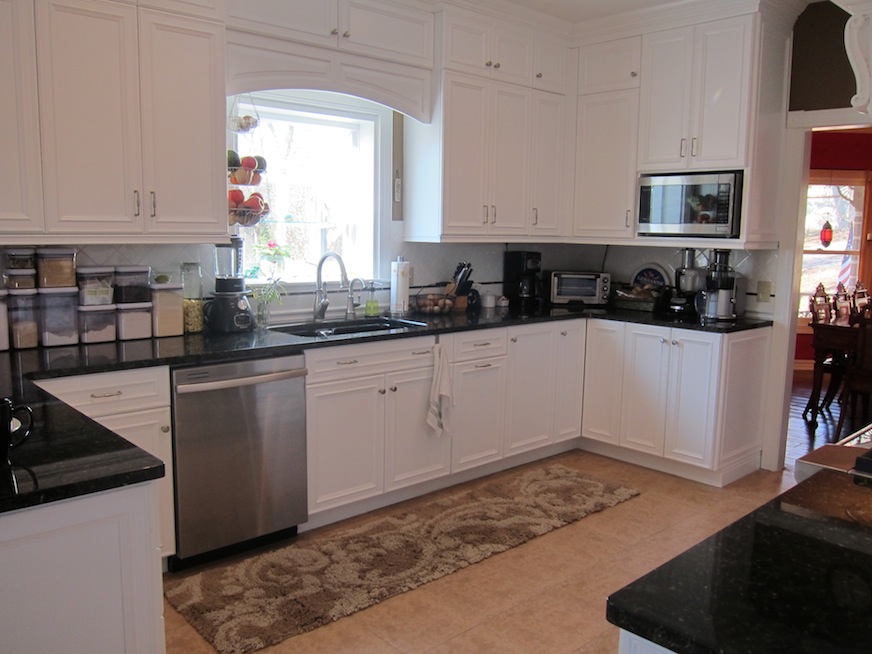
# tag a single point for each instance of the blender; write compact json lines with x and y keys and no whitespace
{"x":229,"y":310}
{"x":719,"y":295}
{"x":689,"y":281}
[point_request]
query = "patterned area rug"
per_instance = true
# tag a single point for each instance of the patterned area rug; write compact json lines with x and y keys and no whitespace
{"x":258,"y":600}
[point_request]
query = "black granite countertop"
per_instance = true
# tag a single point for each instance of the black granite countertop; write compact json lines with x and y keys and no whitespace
{"x":793,"y":576}
{"x":69,"y":454}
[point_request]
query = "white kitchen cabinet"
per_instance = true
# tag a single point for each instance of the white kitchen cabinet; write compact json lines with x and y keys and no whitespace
{"x":479,"y":45}
{"x":551,"y":58}
{"x":486,"y":157}
{"x":132,"y":132}
{"x":696,"y":95}
{"x":374,"y":28}
{"x":531,"y":387}
{"x":610,"y":66}
{"x":550,"y":195}
{"x":605,"y":169}
{"x":603,"y":380}
{"x":20,"y":165}
{"x":135,"y":404}
{"x":212,"y":9}
{"x":83,"y":575}
{"x":569,"y":368}
{"x":366,"y":411}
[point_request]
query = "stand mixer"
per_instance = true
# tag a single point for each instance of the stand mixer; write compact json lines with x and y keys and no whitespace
{"x":689,"y":281}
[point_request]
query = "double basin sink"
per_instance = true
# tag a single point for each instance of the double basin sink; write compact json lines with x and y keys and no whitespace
{"x":356,"y":328}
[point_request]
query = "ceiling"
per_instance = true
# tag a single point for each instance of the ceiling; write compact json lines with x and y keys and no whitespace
{"x":580,"y":10}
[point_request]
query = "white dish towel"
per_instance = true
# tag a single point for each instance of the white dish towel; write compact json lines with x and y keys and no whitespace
{"x":440,"y":392}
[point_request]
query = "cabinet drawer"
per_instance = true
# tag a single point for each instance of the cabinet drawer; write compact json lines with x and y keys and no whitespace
{"x":343,"y":361}
{"x":105,"y":393}
{"x":479,"y":344}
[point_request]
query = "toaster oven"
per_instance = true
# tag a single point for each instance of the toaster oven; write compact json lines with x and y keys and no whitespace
{"x":588,"y":288}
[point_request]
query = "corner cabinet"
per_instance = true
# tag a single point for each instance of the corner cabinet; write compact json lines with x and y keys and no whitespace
{"x":696,"y":96}
{"x":141,"y":119}
{"x":684,"y":401}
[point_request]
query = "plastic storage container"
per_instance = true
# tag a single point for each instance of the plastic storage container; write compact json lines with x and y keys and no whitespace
{"x":56,"y":267}
{"x":23,"y":310}
{"x":192,"y":297}
{"x":97,"y":323}
{"x":17,"y":258}
{"x":95,"y":285}
{"x":133,"y":320}
{"x":167,"y":312}
{"x":4,"y":321}
{"x":20,"y":278}
{"x":58,"y":322}
{"x":131,"y":284}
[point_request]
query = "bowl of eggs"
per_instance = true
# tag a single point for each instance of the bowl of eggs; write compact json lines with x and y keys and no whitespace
{"x":432,"y":303}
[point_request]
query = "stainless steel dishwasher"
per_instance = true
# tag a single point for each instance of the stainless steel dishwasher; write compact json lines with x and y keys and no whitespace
{"x":239,"y":446}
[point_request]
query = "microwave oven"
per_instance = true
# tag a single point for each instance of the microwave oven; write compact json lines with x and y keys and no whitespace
{"x":589,"y":288}
{"x":693,"y":204}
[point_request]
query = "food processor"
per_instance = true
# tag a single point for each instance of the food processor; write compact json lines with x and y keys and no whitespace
{"x":689,"y":281}
{"x":229,"y":310}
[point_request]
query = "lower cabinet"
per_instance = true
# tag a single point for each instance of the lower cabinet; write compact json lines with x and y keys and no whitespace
{"x":366,"y":421}
{"x":684,"y":401}
{"x":478,"y":415}
{"x":135,"y":404}
{"x":83,"y":575}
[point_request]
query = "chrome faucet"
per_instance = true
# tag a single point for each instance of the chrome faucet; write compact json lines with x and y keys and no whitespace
{"x":350,"y":304}
{"x":321,"y":301}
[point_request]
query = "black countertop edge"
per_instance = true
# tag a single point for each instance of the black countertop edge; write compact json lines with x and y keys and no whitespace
{"x":195,"y":349}
{"x":794,"y":575}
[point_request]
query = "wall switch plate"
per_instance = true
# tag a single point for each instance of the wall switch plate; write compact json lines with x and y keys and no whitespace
{"x":764,"y":291}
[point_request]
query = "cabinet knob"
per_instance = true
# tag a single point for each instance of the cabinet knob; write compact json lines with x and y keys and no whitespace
{"x":634,"y":74}
{"x":334,"y":31}
{"x":514,"y":339}
{"x":564,"y":333}
{"x":674,"y":342}
{"x":538,"y":75}
{"x":662,"y":340}
{"x":393,"y":389}
{"x":165,"y":429}
{"x":346,"y":34}
{"x":497,"y":65}
{"x":488,"y":64}
{"x":381,"y":391}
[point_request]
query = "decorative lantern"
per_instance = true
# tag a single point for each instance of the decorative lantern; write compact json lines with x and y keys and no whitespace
{"x":826,"y":234}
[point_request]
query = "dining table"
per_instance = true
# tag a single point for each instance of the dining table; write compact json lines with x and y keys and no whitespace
{"x":833,"y":343}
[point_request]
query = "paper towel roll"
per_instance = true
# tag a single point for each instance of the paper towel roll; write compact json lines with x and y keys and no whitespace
{"x":399,"y":286}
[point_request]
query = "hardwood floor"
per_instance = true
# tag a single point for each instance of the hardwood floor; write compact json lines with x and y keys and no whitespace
{"x":549,"y":595}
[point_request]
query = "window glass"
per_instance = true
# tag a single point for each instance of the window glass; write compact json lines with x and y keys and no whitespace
{"x":319,"y":182}
{"x":837,"y":198}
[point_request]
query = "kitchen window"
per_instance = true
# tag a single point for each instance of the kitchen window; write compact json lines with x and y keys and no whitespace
{"x":836,"y":197}
{"x":324,"y":154}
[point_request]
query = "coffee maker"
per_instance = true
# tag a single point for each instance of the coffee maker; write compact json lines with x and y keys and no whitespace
{"x":689,"y":281}
{"x":522,"y":284}
{"x":229,"y":310}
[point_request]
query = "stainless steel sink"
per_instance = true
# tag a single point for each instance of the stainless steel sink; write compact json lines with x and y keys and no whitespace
{"x":350,"y":328}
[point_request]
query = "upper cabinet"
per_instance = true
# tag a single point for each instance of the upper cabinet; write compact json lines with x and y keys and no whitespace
{"x":375,"y":28}
{"x":696,"y":95}
{"x":610,"y":66}
{"x":132,"y":133}
{"x":213,"y":9}
{"x":21,"y":210}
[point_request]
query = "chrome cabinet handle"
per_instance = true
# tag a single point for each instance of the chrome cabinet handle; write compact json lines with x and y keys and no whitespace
{"x":633,"y":73}
{"x":482,"y":365}
{"x":497,"y":65}
{"x":674,"y":342}
{"x":165,"y":429}
{"x":484,"y":222}
{"x":381,"y":391}
{"x":393,"y":389}
{"x":421,"y":353}
{"x":693,"y":146}
{"x":662,"y":340}
{"x":334,"y":31}
{"x":153,"y":203}
{"x":485,"y":344}
{"x":348,"y":362}
{"x":538,"y":75}
{"x":682,"y":150}
{"x":494,"y":211}
{"x":346,"y":34}
{"x":98,"y":396}
{"x":488,"y":64}
{"x":135,"y":202}
{"x":564,"y":333}
{"x":535,"y":216}
{"x":627,"y":220}
{"x":514,"y":339}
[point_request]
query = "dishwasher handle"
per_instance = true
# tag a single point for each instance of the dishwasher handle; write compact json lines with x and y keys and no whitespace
{"x":240,"y":381}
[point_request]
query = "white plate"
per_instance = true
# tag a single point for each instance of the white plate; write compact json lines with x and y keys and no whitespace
{"x":650,"y":273}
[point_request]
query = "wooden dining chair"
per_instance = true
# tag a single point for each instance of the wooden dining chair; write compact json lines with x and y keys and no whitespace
{"x":857,"y":381}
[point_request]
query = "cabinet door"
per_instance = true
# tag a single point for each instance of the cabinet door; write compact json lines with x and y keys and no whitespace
{"x":212,"y":9}
{"x":345,"y":444}
{"x":511,"y":55}
{"x":667,"y":66}
{"x":693,"y":377}
{"x":509,"y":164}
{"x":466,"y":44}
{"x":603,"y":369}
{"x":89,"y":116}
{"x":549,"y":188}
{"x":183,"y":125}
{"x":386,"y":31}
{"x":309,"y":21}
{"x":645,"y":389}
{"x":151,"y":430}
{"x":550,"y":65}
{"x":413,"y":453}
{"x":477,"y":417}
{"x":569,"y":378}
{"x":21,"y":210}
{"x":605,"y":171}
{"x":465,"y":158}
{"x":530,"y":387}
{"x":609,"y":66}
{"x":722,"y":90}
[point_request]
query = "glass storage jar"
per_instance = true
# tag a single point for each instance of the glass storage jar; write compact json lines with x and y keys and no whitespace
{"x":192,"y":294}
{"x":58,"y":323}
{"x":167,"y":313}
{"x":131,"y":284}
{"x":17,"y":258}
{"x":23,"y":310}
{"x":56,"y":267}
{"x":20,"y":278}
{"x":133,"y":320}
{"x":95,"y":285}
{"x":97,"y":323}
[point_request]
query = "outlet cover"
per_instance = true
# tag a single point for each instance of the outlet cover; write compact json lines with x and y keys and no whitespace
{"x":764,"y":291}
